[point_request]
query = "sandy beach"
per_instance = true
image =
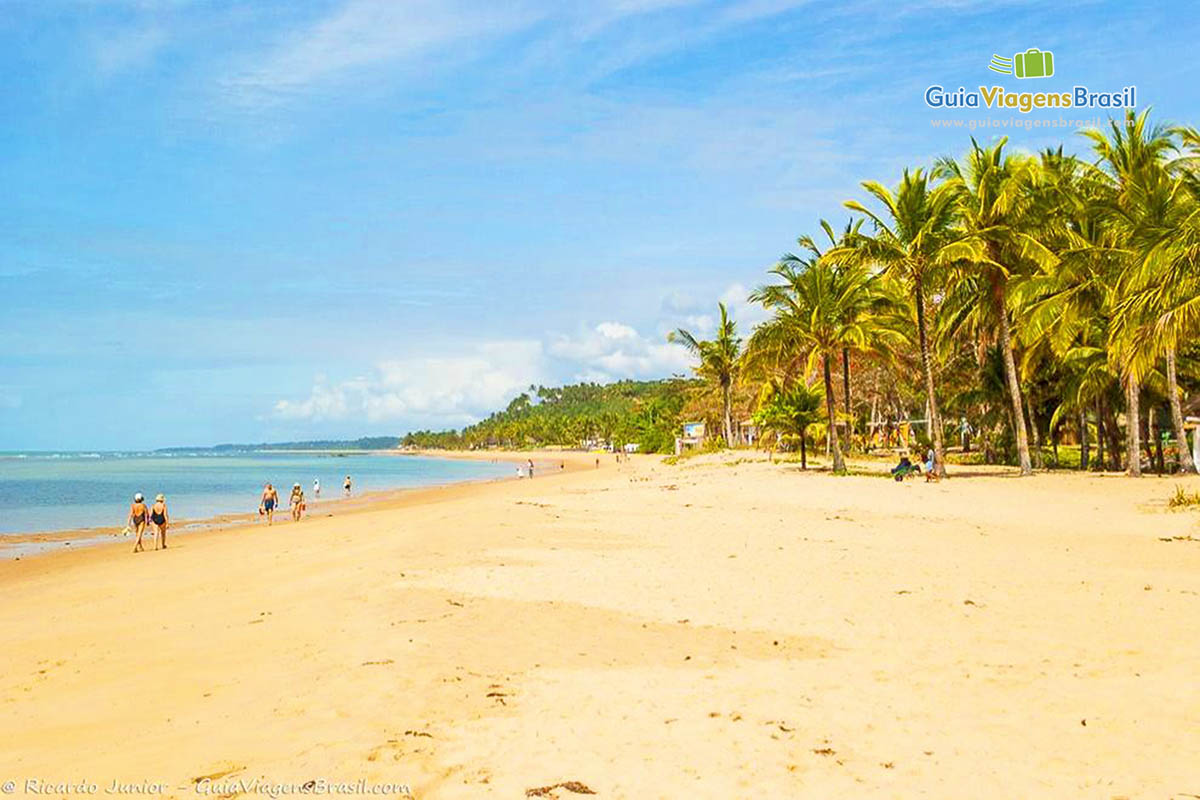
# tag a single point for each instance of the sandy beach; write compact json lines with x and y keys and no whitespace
{"x":720,"y":628}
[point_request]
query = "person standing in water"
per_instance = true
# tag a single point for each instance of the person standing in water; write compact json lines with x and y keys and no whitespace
{"x":139,"y":518}
{"x":346,"y":486}
{"x":316,"y":487}
{"x":266,"y":506}
{"x":296,"y":501}
{"x":161,"y":519}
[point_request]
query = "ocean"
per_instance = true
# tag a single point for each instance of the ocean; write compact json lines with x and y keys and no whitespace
{"x":61,"y":491}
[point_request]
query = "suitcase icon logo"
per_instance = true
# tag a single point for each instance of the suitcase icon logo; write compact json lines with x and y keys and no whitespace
{"x":1033,"y":63}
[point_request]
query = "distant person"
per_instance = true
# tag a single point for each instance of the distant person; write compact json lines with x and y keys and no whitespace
{"x":317,"y":487}
{"x":139,"y":519}
{"x":562,"y":465}
{"x":346,"y":486}
{"x":161,"y":519}
{"x":270,"y":499}
{"x":296,"y":501}
{"x":531,"y":467}
{"x":930,"y":475}
{"x":520,"y":472}
{"x":597,"y":463}
{"x":904,"y":468}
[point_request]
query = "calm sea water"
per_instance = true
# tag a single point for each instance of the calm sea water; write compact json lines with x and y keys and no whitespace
{"x":44,"y":492}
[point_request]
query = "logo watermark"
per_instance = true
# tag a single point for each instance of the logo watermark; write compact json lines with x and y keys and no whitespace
{"x":1032,"y":63}
{"x":206,"y":787}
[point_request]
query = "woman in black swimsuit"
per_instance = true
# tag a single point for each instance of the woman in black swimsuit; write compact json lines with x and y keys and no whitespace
{"x":161,"y":519}
{"x":139,"y":516}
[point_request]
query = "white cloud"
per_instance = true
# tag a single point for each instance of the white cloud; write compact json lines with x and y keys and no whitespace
{"x":454,"y":390}
{"x":699,"y":315}
{"x":447,"y":390}
{"x":612,"y":350}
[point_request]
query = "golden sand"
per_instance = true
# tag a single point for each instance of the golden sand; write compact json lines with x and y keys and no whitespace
{"x":717,"y":629}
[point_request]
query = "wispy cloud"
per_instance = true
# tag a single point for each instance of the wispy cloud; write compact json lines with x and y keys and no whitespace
{"x":363,"y":36}
{"x":371,"y":33}
{"x":127,"y":49}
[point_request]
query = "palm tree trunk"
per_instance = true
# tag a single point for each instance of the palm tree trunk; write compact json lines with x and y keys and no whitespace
{"x":846,"y":391}
{"x":1133,"y":439}
{"x":804,"y":449}
{"x":1084,"y":453}
{"x":1035,"y":434}
{"x":839,"y":465}
{"x":1114,"y":437}
{"x":1156,"y":436}
{"x":1186,"y":464}
{"x":935,"y":422}
{"x":1100,"y":434}
{"x":727,"y":402}
{"x":1010,"y":375}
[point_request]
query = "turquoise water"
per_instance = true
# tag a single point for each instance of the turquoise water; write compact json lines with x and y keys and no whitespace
{"x":59,"y":491}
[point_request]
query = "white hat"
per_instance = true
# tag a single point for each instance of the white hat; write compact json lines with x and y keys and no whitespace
{"x":137,"y":497}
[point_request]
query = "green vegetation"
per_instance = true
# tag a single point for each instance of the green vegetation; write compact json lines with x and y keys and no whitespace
{"x":1182,"y":499}
{"x":365,"y":443}
{"x":720,"y":362}
{"x":1043,"y":300}
{"x":1035,"y":310}
{"x":646,"y":413}
{"x":788,"y":412}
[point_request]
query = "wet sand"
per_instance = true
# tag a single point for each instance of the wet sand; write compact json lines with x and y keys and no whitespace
{"x":721,"y":628}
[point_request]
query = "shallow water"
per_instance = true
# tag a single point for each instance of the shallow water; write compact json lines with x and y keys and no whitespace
{"x":61,"y":491}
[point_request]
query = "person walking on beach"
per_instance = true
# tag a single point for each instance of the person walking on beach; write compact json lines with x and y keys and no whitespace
{"x":161,"y":519}
{"x":266,"y":506}
{"x":531,"y":468}
{"x":296,"y":501}
{"x":317,"y":487}
{"x":346,"y":486}
{"x":139,"y":518}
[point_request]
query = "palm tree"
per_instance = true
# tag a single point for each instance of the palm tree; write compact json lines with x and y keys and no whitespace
{"x":789,"y":410}
{"x":1161,"y":303}
{"x":809,"y":244}
{"x":820,"y":310}
{"x":994,"y":199}
{"x":719,"y":362}
{"x":1067,"y":311}
{"x":1134,"y":159}
{"x":913,"y":239}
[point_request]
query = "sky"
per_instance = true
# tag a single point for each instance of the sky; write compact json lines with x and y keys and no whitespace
{"x":269,"y":221}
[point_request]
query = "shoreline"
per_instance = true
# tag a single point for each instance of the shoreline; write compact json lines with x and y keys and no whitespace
{"x":43,"y":543}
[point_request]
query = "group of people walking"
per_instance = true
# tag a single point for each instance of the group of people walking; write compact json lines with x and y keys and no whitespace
{"x":142,"y":516}
{"x":296,"y":502}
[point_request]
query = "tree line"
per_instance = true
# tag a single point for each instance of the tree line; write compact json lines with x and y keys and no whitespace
{"x":1004,"y":299}
{"x":646,"y":413}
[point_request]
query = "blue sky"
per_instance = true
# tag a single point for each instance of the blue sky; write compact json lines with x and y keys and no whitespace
{"x":257,"y":221}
